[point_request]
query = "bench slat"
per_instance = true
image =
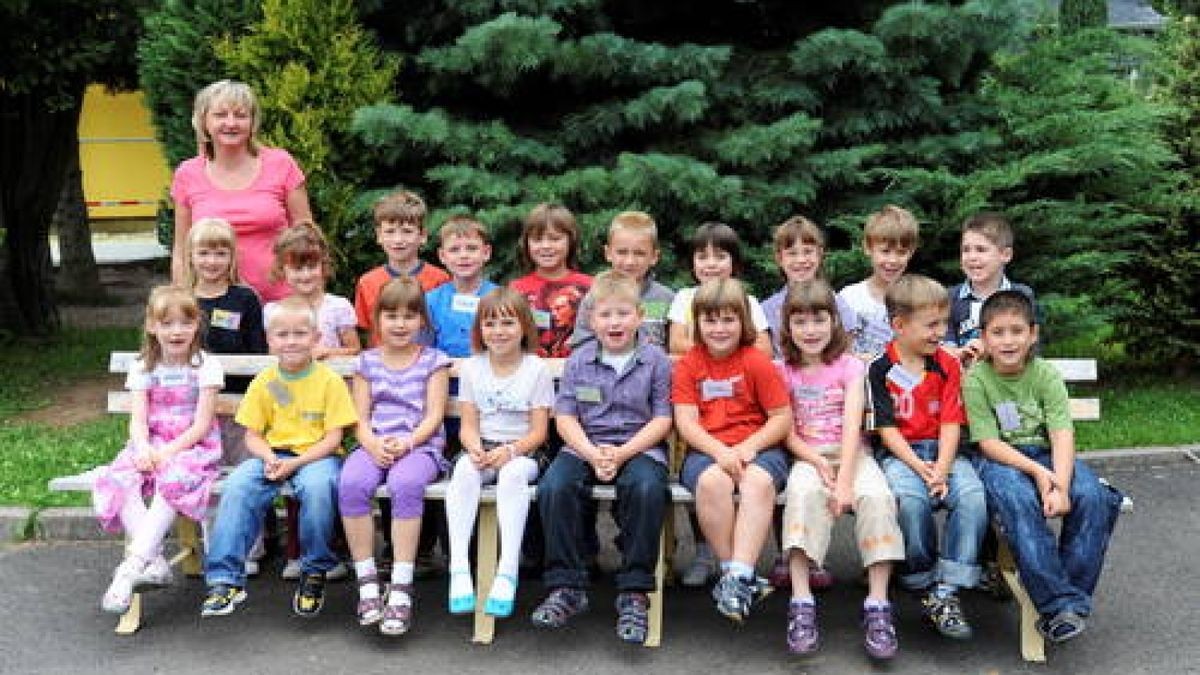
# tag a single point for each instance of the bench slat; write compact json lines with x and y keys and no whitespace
{"x":251,"y":364}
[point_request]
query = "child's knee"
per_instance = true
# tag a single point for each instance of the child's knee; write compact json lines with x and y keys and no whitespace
{"x":713,"y":483}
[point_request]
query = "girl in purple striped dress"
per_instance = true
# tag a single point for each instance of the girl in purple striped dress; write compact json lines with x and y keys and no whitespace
{"x":400,"y":390}
{"x":174,"y":443}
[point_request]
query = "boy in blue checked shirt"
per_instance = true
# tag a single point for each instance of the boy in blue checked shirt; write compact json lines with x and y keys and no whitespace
{"x":613,"y":413}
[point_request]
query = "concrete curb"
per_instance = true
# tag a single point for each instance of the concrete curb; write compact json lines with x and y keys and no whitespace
{"x":78,"y":523}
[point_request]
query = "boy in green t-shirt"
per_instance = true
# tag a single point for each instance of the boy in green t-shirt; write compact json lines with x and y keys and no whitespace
{"x":1019,"y":416}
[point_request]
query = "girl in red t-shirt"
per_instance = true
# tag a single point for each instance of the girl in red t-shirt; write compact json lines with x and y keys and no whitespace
{"x":733,"y":411}
{"x":549,"y":246}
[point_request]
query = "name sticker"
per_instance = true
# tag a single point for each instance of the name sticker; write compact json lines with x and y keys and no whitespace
{"x":312,"y":415}
{"x":900,"y":377}
{"x":714,"y":389}
{"x":279,"y":391}
{"x":223,"y":318}
{"x":655,"y":310}
{"x":589,"y":394}
{"x":806,"y":392}
{"x":1008,"y":416}
{"x":173,"y":378}
{"x":467,"y":304}
{"x":541,"y":318}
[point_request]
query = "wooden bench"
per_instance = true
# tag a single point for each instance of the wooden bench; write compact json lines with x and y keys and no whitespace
{"x":190,"y":556}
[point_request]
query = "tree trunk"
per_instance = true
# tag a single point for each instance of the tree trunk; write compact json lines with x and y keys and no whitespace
{"x":37,"y":146}
{"x":78,"y":276}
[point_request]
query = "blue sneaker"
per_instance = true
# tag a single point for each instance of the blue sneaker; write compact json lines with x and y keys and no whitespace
{"x":733,"y":596}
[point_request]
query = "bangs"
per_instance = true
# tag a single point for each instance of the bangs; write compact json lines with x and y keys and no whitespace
{"x":303,"y":255}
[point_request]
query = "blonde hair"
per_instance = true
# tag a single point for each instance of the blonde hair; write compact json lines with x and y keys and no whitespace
{"x":301,"y":245}
{"x":636,"y":222}
{"x":610,"y":286}
{"x":211,"y":233}
{"x":237,"y":94}
{"x":912,"y":293}
{"x":401,"y":206}
{"x":992,"y":226}
{"x":717,"y":295}
{"x":402,"y":292}
{"x":162,"y":300}
{"x":892,"y":225}
{"x":798,"y":230}
{"x":292,"y":305}
{"x":462,"y":226}
{"x":499,"y":302}
{"x":545,"y":217}
{"x":812,"y":296}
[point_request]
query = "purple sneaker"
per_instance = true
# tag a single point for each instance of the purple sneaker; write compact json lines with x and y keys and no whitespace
{"x":879,"y":633}
{"x":803,"y":635}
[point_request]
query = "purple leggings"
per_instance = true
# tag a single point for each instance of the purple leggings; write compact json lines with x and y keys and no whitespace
{"x":406,"y":481}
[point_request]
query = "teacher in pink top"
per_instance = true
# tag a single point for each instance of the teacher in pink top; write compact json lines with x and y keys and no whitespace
{"x":259,"y":190}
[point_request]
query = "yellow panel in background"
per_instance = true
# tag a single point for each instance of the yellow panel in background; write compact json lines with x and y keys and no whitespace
{"x":124,"y":172}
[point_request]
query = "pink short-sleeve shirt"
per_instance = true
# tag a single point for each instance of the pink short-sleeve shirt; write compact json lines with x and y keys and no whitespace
{"x":258,"y":213}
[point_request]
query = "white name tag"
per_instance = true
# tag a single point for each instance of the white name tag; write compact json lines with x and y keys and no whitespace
{"x":280,"y":393}
{"x":173,"y":378}
{"x":1008,"y":416}
{"x":714,"y":389}
{"x":900,"y":377}
{"x":589,"y":394}
{"x":541,"y":318}
{"x":468,"y":304}
{"x":808,"y":393}
{"x":223,"y":318}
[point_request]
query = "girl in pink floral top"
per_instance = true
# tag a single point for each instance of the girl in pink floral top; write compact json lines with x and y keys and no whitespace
{"x":174,"y":443}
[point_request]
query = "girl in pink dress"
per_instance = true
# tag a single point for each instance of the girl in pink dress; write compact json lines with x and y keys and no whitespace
{"x":174,"y":444}
{"x":259,"y":190}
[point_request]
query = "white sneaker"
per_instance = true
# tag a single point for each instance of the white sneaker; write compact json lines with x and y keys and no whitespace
{"x":337,"y":572}
{"x":156,"y":573}
{"x":291,"y":571}
{"x":119,"y":595}
{"x":702,"y":569}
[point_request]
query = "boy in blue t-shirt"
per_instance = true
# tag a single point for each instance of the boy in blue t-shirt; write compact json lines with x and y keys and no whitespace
{"x":464,"y":250}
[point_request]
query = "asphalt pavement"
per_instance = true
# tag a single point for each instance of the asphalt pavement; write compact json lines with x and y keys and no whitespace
{"x":1145,"y":621}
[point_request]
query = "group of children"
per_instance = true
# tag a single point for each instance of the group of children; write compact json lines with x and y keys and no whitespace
{"x":860,"y":411}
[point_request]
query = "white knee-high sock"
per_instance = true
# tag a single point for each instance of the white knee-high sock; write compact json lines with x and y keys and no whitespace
{"x":512,"y":508}
{"x":147,"y":539}
{"x":462,"y":504}
{"x":133,"y":513}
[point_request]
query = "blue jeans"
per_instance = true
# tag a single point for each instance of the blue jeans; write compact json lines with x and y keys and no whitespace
{"x":1060,"y":575}
{"x":966,"y":521}
{"x":244,"y":502}
{"x":564,"y":494}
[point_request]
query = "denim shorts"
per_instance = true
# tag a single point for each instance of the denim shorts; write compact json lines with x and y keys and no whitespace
{"x":771,"y":460}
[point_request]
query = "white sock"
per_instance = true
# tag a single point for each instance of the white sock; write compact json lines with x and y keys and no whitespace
{"x":148,"y":537}
{"x":512,"y":508}
{"x":462,"y":503}
{"x":133,"y":512}
{"x":461,"y":583}
{"x":402,"y":573}
{"x":366,"y":568}
{"x":503,"y":588}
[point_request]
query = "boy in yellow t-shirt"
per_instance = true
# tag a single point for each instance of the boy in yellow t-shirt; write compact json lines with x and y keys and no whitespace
{"x":294,"y":414}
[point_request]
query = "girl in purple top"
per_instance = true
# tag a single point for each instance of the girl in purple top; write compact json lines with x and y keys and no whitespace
{"x":400,"y":390}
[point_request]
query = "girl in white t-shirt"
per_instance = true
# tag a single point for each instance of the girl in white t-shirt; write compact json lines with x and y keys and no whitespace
{"x":834,"y":472}
{"x":505,"y":395}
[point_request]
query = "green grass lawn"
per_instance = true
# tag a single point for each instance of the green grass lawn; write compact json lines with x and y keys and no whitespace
{"x":1138,"y":410}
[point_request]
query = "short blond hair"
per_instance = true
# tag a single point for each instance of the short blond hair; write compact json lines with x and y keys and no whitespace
{"x":717,"y":295}
{"x":892,"y":225}
{"x":636,"y":222}
{"x":993,"y":226}
{"x":211,"y":233}
{"x":610,"y":286}
{"x":402,"y":206}
{"x":912,"y":293}
{"x":292,"y":306}
{"x":462,"y":225}
{"x":237,"y":94}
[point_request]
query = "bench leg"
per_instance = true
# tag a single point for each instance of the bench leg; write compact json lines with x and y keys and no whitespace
{"x":669,"y":546}
{"x":131,"y":620}
{"x":654,"y":630}
{"x":486,"y":552}
{"x":1033,"y":646}
{"x":189,"y":557}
